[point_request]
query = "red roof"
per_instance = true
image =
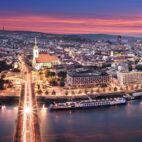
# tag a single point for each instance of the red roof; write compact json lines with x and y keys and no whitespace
{"x":45,"y":58}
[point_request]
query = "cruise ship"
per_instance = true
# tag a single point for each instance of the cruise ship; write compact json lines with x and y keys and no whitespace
{"x":87,"y":104}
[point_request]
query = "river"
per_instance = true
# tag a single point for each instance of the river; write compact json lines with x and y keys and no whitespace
{"x":111,"y":124}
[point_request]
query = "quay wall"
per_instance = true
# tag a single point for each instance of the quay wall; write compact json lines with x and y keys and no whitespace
{"x":47,"y":100}
{"x":9,"y":100}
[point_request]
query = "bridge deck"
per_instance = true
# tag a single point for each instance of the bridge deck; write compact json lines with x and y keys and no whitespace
{"x":27,"y":126}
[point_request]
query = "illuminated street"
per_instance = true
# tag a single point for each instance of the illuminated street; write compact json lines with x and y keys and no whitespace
{"x":27,"y":129}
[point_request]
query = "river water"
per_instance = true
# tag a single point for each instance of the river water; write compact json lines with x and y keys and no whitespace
{"x":112,"y":124}
{"x":8,"y":116}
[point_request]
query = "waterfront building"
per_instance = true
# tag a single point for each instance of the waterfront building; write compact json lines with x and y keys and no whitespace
{"x":133,"y":77}
{"x":85,"y":78}
{"x":43,"y":59}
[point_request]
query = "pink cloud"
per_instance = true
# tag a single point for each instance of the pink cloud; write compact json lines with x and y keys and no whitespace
{"x":50,"y":24}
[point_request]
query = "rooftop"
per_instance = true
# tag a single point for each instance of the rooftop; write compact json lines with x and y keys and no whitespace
{"x":86,"y":72}
{"x":45,"y":58}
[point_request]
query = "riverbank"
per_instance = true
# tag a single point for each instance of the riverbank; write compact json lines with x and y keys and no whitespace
{"x":10,"y":100}
{"x":47,"y":100}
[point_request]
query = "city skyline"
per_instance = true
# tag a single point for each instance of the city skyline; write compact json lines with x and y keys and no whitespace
{"x":73,"y":17}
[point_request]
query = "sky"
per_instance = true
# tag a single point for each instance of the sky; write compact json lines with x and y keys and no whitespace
{"x":121,"y":17}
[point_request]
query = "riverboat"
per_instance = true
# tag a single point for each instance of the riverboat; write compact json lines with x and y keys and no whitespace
{"x":91,"y":103}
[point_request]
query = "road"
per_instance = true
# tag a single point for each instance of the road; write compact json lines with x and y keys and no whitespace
{"x":27,"y":127}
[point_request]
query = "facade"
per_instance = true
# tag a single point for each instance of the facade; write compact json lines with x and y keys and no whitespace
{"x":121,"y":66}
{"x":133,"y":77}
{"x":43,"y":59}
{"x":85,"y":78}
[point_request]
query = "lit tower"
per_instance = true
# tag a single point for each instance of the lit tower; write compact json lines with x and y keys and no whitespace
{"x":35,"y":51}
{"x":111,"y":53}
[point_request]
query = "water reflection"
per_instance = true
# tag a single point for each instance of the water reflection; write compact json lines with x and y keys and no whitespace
{"x":7,"y":123}
{"x":103,"y":125}
{"x":119,"y":124}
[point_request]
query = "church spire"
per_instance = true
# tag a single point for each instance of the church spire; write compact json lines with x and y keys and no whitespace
{"x":35,"y":41}
{"x":36,"y":44}
{"x":35,"y":50}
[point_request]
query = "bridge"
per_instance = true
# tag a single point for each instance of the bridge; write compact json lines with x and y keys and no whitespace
{"x":27,"y":124}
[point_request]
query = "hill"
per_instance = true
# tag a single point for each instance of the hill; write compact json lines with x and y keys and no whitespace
{"x":80,"y":37}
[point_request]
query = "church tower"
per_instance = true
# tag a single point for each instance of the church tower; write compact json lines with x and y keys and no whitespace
{"x":111,"y":53}
{"x":35,"y":51}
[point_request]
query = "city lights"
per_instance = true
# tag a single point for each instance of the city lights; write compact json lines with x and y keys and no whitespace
{"x":27,"y":110}
{"x":66,"y":67}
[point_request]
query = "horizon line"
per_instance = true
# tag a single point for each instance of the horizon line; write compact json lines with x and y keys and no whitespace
{"x":54,"y":33}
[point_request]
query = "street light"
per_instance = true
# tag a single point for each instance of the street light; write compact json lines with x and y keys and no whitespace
{"x":27,"y":110}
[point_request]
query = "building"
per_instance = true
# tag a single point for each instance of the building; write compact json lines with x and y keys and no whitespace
{"x":85,"y":78}
{"x":43,"y":59}
{"x":121,"y":66}
{"x":132,"y":77}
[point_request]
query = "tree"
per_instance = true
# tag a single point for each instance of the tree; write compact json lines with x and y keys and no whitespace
{"x":50,"y":74}
{"x":39,"y":92}
{"x":109,"y":89}
{"x":40,"y":72}
{"x":62,"y":84}
{"x":72,"y":92}
{"x":2,"y":84}
{"x":46,"y":92}
{"x":3,"y":76}
{"x":62,"y":74}
{"x":137,"y":60}
{"x":53,"y":92}
{"x":98,"y":90}
{"x":79,"y":92}
{"x":53,"y":83}
{"x":130,"y":67}
{"x":139,"y":67}
{"x":115,"y":89}
{"x":4,"y":66}
{"x":10,"y":85}
{"x":38,"y":86}
{"x":66,"y":93}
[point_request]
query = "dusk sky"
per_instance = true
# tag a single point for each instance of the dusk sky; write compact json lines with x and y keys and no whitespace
{"x":73,"y":16}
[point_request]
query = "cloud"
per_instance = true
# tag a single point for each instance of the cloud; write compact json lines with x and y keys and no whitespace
{"x":72,"y":25}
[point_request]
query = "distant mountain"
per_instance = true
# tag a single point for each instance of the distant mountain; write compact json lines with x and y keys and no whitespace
{"x":105,"y":37}
{"x":69,"y":36}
